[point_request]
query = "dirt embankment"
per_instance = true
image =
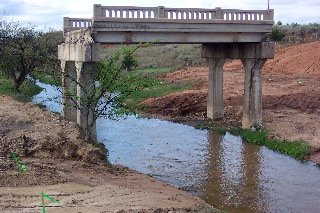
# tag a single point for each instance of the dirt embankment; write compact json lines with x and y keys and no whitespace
{"x":291,"y":95}
{"x":60,"y":164}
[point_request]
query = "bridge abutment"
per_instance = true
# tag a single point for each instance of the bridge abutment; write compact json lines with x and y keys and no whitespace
{"x":253,"y":57}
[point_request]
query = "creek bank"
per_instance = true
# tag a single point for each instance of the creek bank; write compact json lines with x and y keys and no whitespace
{"x":62,"y":165}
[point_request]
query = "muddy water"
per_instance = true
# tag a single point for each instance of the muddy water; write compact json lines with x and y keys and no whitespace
{"x":227,"y":173}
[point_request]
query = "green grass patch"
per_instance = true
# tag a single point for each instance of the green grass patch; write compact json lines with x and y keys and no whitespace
{"x":47,"y":78}
{"x":296,"y":149}
{"x":26,"y":91}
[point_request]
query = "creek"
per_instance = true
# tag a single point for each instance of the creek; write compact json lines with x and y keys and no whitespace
{"x":226,"y":172}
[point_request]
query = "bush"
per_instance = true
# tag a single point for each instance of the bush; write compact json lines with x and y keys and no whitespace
{"x":277,"y":34}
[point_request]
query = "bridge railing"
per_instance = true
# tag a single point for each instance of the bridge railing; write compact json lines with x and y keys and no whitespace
{"x":70,"y":24}
{"x":181,"y":13}
{"x":247,"y":15}
{"x":124,"y":12}
{"x":128,"y":12}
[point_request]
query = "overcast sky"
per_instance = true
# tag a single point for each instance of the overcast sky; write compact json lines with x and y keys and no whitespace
{"x":48,"y":13}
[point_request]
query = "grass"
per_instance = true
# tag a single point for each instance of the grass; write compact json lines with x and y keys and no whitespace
{"x":27,"y":90}
{"x":46,"y":78}
{"x":296,"y":149}
{"x":147,"y":83}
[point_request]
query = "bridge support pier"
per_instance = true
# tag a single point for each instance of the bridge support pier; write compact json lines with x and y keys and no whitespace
{"x":252,"y":104}
{"x":253,"y":57}
{"x":86,"y":95}
{"x":215,"y":107}
{"x":69,"y":76}
{"x":78,"y":64}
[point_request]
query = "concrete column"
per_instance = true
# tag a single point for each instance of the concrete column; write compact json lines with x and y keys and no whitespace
{"x":86,"y":96}
{"x":215,"y":88}
{"x":69,"y":77}
{"x":252,"y":105}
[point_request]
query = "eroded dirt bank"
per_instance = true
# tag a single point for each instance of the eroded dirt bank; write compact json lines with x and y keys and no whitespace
{"x":291,"y":95}
{"x":60,"y":164}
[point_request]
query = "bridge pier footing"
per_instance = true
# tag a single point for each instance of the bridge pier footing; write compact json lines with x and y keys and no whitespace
{"x":253,"y":57}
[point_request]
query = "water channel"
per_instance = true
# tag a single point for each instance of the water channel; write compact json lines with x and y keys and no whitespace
{"x":227,"y":173}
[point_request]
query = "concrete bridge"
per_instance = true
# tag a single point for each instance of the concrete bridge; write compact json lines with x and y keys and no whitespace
{"x":223,"y":33}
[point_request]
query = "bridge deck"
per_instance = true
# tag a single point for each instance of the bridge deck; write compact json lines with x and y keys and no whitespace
{"x":174,"y":25}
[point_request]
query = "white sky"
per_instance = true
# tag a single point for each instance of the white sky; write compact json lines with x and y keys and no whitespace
{"x":49,"y":13}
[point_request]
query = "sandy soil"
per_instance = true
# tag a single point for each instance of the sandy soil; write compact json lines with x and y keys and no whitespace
{"x":291,"y":95}
{"x":60,"y":164}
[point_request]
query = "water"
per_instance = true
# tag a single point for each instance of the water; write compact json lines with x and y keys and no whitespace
{"x":227,"y":173}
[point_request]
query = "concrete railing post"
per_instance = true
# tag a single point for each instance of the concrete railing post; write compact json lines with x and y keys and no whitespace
{"x":69,"y":96}
{"x":271,"y":14}
{"x":97,"y":10}
{"x":66,"y":22}
{"x":218,"y":13}
{"x":160,"y":12}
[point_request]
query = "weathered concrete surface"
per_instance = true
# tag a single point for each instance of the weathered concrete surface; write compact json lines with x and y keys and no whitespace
{"x":79,"y":57}
{"x":178,"y":31}
{"x":79,"y":52}
{"x":252,"y":105}
{"x":86,"y":100}
{"x":69,"y":85}
{"x":253,"y":56}
{"x":215,"y":88}
{"x":239,"y":50}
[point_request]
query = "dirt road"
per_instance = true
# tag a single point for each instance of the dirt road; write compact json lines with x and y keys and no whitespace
{"x":60,"y":164}
{"x":291,"y":95}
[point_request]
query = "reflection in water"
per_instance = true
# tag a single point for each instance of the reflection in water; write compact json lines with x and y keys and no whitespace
{"x":232,"y":182}
{"x":227,"y":173}
{"x":246,"y":178}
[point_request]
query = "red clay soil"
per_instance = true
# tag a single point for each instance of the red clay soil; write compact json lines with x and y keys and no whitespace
{"x":291,"y":94}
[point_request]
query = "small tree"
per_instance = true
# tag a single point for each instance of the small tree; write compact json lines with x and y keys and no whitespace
{"x":277,"y":34}
{"x":112,"y":88}
{"x":279,"y":23}
{"x":24,"y":49}
{"x":129,"y":61}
